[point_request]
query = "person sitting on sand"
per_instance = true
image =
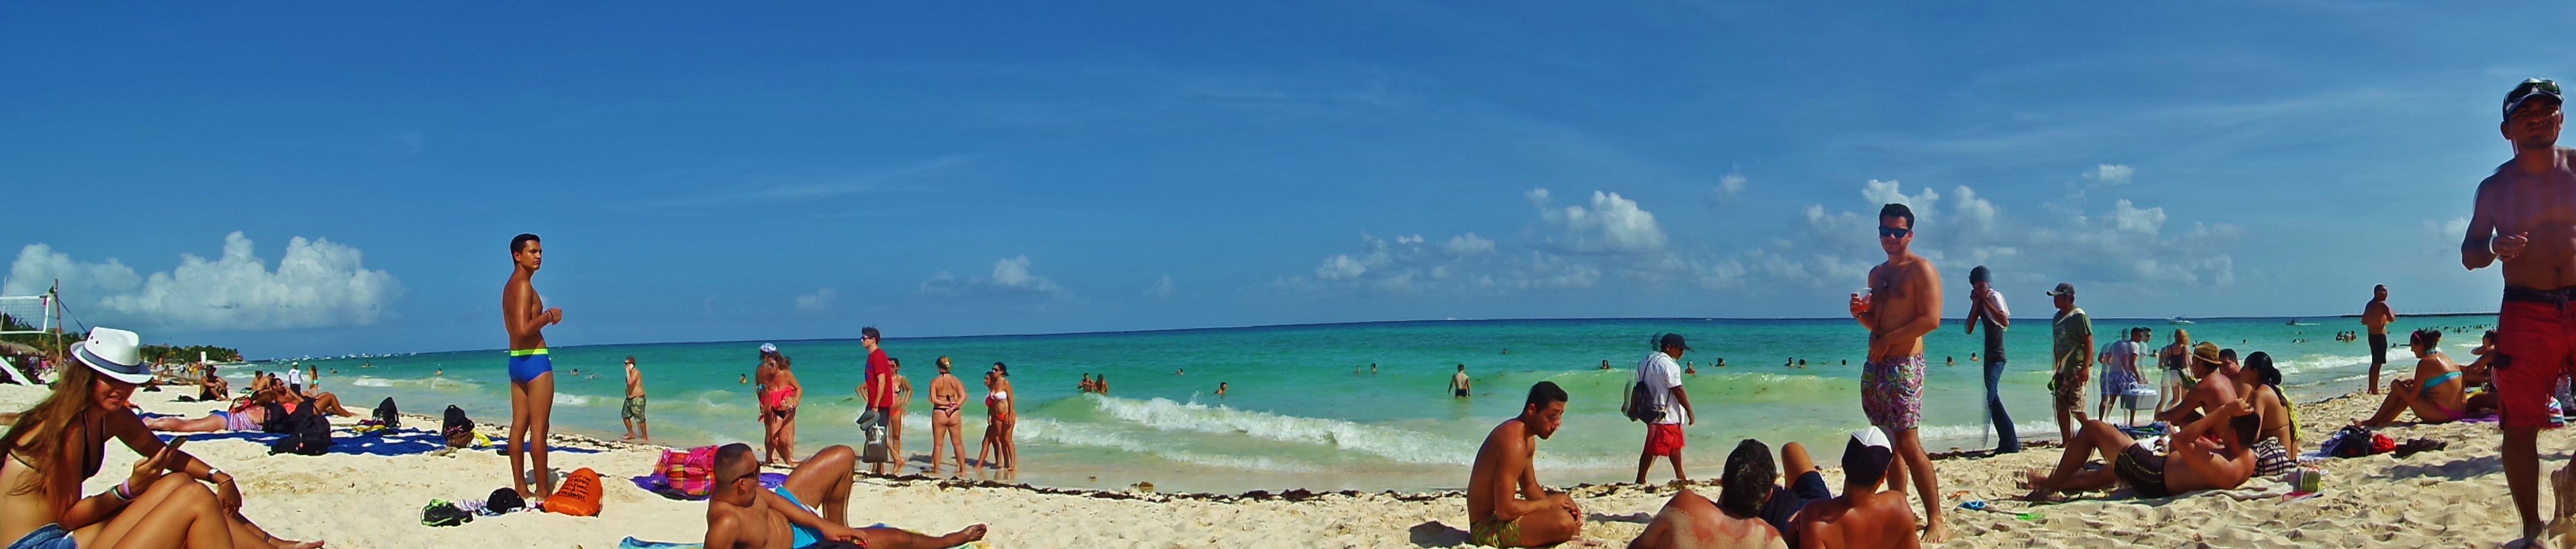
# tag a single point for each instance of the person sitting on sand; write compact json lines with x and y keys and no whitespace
{"x":2214,"y":383}
{"x":2435,"y":393}
{"x":1736,"y":519}
{"x":809,"y":510}
{"x":2207,"y":454}
{"x":1506,"y":505}
{"x":2279,"y":421}
{"x":2479,"y":378}
{"x":57,"y":444}
{"x":1864,"y":516}
{"x":213,"y":387}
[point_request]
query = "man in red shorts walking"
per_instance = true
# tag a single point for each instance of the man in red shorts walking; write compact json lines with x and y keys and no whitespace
{"x":2526,"y":218}
{"x":1661,"y":372}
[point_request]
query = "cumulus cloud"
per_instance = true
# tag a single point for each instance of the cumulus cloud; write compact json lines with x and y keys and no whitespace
{"x":1729,"y":186}
{"x":818,"y":302}
{"x":1467,"y":245}
{"x":316,"y":284}
{"x":1010,"y":283}
{"x":1610,"y":225}
{"x":2127,"y":217}
{"x":2111,"y":174}
{"x":1465,"y":263}
{"x":1162,"y":289}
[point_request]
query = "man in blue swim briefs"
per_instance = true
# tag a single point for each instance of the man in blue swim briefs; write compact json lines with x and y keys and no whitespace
{"x":1903,"y":304}
{"x":532,"y":378}
{"x":742,"y":515}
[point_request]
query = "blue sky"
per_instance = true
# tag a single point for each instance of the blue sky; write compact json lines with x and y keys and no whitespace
{"x":711,"y":172}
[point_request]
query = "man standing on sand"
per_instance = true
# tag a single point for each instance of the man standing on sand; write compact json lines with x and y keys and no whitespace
{"x":532,"y":373}
{"x":2072,"y":334}
{"x":633,"y":412}
{"x":1506,"y":505}
{"x":1903,"y":304}
{"x":1864,"y":516}
{"x":1986,"y":308}
{"x":878,"y":387}
{"x":2526,"y":217}
{"x":1458,"y":383}
{"x":2376,"y":315}
{"x":947,"y":426}
{"x":2119,"y":362}
{"x":1662,"y":376}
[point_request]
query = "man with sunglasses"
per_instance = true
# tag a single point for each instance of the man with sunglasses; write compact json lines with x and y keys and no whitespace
{"x":2526,"y":217}
{"x":1903,"y":304}
{"x":878,"y":387}
{"x":811,"y":509}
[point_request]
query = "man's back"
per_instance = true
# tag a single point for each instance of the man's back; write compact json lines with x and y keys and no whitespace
{"x":1858,"y":521}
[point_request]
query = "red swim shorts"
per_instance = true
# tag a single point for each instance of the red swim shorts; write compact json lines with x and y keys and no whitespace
{"x":1664,"y":439}
{"x":2534,"y":343}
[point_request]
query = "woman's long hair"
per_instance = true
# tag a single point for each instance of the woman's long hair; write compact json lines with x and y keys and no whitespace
{"x":53,"y":417}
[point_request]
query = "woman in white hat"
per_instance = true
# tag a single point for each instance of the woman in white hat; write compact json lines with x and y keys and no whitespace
{"x":54,"y":446}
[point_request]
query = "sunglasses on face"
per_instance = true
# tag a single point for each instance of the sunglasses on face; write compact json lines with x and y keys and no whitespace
{"x":1893,"y":232}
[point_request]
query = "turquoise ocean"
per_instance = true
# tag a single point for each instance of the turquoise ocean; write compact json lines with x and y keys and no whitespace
{"x":1303,"y":411}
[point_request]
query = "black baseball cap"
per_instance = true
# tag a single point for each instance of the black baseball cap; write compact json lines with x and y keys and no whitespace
{"x":1674,"y":340}
{"x":2528,"y":90}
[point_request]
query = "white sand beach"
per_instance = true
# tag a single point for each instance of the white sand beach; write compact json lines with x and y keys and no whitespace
{"x":2447,"y":498}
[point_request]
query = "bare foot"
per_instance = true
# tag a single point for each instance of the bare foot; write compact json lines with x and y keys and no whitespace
{"x":627,"y":437}
{"x":1937,"y":532}
{"x":306,"y":545}
{"x":969,"y":535}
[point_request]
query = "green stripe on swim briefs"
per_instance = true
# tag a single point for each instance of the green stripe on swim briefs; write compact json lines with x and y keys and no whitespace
{"x":526,"y":352}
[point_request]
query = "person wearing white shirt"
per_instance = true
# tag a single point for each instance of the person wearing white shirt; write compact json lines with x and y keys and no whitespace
{"x":1986,"y":309}
{"x":1661,"y":372}
{"x":295,"y":379}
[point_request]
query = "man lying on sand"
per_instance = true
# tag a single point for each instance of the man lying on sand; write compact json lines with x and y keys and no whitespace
{"x":240,"y":418}
{"x":2436,"y":393}
{"x":2208,"y":453}
{"x":740,"y":515}
{"x":1864,"y":516}
{"x":1742,"y":516}
{"x":1505,"y":504}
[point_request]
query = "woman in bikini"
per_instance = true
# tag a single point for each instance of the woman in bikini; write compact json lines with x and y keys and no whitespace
{"x":947,"y":425}
{"x":2435,"y":394}
{"x":786,"y":394}
{"x":56,"y":445}
{"x":1000,"y":420}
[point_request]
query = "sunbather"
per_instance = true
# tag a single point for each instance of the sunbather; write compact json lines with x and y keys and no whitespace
{"x":741,"y":515}
{"x":2208,"y":453}
{"x":2435,"y":393}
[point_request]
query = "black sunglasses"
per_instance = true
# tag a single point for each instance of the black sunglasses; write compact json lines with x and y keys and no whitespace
{"x":1893,"y":232}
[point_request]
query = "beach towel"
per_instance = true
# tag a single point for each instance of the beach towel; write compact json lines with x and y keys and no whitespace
{"x":631,"y":543}
{"x":660,"y":485}
{"x":388,"y":442}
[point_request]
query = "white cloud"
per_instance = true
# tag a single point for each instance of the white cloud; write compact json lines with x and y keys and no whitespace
{"x":1729,"y":186}
{"x":818,"y":302}
{"x":2111,"y":174}
{"x":316,"y":284}
{"x":1612,"y":225}
{"x":2455,"y":229}
{"x":1468,"y":244}
{"x":1010,"y":283}
{"x":1162,"y":289}
{"x":2128,"y":217}
{"x":1340,"y":267}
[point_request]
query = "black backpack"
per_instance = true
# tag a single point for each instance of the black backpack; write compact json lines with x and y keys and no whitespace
{"x":386,"y":413}
{"x":1640,"y":406}
{"x":307,"y":432}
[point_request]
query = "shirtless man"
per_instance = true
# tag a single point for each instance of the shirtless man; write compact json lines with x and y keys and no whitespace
{"x":1903,"y":304}
{"x":1735,"y":520}
{"x":2217,"y":385}
{"x":633,"y":412}
{"x":740,"y":515}
{"x":1506,"y":507}
{"x":947,"y":427}
{"x":1458,"y":383}
{"x":2208,"y":453}
{"x":2526,"y":217}
{"x":2376,"y":315}
{"x":532,"y":377}
{"x":1864,"y":516}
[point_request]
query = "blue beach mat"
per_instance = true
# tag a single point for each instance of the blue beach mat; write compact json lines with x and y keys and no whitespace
{"x":389,"y":442}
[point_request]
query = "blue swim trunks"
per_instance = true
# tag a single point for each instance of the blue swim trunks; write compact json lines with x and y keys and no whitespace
{"x":800,"y":536}
{"x":527,"y":364}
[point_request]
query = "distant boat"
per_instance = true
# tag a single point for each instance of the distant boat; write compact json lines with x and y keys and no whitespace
{"x":2177,"y":320}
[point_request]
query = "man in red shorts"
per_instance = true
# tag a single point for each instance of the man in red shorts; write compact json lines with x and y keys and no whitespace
{"x":1661,"y":372}
{"x":2526,"y":217}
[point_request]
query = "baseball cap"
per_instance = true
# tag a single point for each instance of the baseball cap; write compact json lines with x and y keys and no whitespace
{"x":1672,"y":340}
{"x":768,"y":349}
{"x":114,"y":353}
{"x":2527,"y":90}
{"x":1865,"y":457}
{"x":2063,"y":288}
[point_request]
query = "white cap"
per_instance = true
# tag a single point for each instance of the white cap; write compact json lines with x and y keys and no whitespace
{"x":768,"y":348}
